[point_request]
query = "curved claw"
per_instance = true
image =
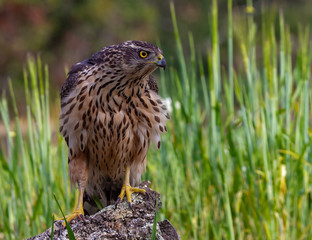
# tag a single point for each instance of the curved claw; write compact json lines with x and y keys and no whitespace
{"x":81,"y":216}
{"x":130,"y":206}
{"x":117,"y":202}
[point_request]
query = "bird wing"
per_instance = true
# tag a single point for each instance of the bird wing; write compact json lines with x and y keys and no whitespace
{"x":73,"y":75}
{"x":71,"y":120}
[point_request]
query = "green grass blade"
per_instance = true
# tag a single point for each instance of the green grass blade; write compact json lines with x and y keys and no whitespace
{"x":69,"y":230}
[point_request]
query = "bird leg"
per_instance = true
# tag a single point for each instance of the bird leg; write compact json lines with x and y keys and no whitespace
{"x":78,"y":172}
{"x":127,"y":189}
{"x":78,"y":212}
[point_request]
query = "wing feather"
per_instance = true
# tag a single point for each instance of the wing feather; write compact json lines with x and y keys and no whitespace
{"x":73,"y":76}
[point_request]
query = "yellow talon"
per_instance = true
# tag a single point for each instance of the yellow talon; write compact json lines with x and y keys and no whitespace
{"x":127,"y":189}
{"x":78,"y":213}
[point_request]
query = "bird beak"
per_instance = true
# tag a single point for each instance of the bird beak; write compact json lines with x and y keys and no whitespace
{"x":161,"y":62}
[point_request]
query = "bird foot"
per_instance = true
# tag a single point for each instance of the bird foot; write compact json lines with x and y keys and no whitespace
{"x":128,"y":190}
{"x":78,"y":213}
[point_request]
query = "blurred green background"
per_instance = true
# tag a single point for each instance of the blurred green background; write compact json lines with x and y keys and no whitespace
{"x":66,"y":32}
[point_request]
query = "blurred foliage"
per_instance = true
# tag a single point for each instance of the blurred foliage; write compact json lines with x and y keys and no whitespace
{"x":66,"y":32}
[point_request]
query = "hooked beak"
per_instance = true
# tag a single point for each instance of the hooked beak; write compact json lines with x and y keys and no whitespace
{"x":161,"y":62}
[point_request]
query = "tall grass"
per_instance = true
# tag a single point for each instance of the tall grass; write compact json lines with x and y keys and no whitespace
{"x":236,"y":161}
{"x":32,"y":168}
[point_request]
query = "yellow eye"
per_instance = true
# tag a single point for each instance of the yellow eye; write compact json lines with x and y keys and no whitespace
{"x":143,"y":54}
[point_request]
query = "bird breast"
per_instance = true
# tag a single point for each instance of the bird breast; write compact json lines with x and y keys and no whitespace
{"x":113,"y":121}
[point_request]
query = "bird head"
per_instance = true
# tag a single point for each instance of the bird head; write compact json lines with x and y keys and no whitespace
{"x":142,"y":57}
{"x":134,"y":60}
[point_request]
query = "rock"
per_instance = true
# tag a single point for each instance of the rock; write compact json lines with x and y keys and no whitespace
{"x":120,"y":223}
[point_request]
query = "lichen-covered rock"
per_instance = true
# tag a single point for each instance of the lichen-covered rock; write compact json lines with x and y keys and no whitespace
{"x":120,"y":223}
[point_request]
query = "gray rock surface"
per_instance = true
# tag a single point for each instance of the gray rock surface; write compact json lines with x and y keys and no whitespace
{"x":120,"y":223}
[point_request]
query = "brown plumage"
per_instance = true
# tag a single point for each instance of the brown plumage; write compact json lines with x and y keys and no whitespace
{"x":110,"y":112}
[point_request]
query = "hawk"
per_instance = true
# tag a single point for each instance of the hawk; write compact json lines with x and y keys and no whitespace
{"x":110,"y":112}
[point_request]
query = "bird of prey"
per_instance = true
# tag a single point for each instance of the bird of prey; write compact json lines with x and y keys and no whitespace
{"x":110,"y":112}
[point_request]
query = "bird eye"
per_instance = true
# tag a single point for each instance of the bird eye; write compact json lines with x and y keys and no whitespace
{"x":143,"y":54}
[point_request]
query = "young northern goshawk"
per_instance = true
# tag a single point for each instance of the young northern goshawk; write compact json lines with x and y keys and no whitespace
{"x":110,"y":112}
